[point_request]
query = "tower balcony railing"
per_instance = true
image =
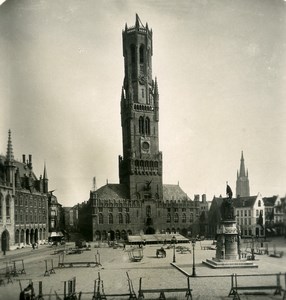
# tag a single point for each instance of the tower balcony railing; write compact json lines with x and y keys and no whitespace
{"x":143,"y":107}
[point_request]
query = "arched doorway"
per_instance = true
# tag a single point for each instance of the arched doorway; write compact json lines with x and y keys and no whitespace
{"x":5,"y":237}
{"x":111,"y":235}
{"x":150,"y":230}
{"x":27,"y":237}
{"x":97,"y":235}
{"x":36,"y":238}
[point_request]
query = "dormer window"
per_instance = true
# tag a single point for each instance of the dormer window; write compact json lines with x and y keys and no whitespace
{"x":259,"y":203}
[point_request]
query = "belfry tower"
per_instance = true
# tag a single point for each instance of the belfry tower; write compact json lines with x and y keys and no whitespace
{"x":140,"y":167}
{"x":242,"y":182}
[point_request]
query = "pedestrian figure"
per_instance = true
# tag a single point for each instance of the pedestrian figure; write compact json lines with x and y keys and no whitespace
{"x":33,"y":246}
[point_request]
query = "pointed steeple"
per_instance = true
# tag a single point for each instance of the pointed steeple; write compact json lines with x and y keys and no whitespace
{"x":242,"y":167}
{"x":45,"y":180}
{"x":137,"y":22}
{"x":45,"y":176}
{"x":156,"y":87}
{"x":9,"y":155}
{"x":242,"y":182}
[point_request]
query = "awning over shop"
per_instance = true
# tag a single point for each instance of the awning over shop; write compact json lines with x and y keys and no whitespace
{"x":156,"y":238}
{"x":55,"y":234}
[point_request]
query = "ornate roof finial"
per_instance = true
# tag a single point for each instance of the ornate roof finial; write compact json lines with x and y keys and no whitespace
{"x":9,"y":155}
{"x":137,"y":21}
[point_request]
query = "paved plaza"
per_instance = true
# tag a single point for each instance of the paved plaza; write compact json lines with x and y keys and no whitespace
{"x":155,"y":272}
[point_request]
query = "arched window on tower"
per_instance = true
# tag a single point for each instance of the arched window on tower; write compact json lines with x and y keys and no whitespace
{"x":133,"y":54}
{"x":147,"y":126}
{"x":141,"y":54}
{"x":141,"y":125}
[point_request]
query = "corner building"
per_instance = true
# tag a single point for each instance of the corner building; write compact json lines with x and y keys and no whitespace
{"x":140,"y":203}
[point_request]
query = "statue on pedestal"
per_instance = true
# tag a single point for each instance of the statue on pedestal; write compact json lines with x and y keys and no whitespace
{"x":227,"y":210}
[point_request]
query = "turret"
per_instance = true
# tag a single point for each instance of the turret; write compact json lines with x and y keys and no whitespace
{"x":9,"y":162}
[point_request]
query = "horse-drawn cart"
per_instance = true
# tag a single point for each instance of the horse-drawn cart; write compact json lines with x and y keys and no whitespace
{"x":161,"y":253}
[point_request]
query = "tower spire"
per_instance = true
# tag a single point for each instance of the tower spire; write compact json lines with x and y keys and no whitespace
{"x":242,"y":167}
{"x":242,"y":182}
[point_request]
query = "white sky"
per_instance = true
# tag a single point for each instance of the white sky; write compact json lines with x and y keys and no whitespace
{"x":221,"y":70}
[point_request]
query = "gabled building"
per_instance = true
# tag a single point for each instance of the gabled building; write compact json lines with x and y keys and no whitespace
{"x":249,"y":212}
{"x":23,"y":202}
{"x":250,"y":215}
{"x":274,"y":215}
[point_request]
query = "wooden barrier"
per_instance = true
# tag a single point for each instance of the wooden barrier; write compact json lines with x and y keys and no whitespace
{"x":162,"y":291}
{"x":62,"y":263}
{"x":99,"y":293}
{"x":51,"y":270}
{"x":236,"y":288}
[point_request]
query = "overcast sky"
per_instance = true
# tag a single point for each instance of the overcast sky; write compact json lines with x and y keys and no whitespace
{"x":221,"y":70}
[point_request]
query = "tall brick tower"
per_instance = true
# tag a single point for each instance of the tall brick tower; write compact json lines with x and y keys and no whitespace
{"x":140,"y":167}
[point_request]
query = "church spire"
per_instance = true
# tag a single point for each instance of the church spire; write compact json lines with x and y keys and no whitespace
{"x":242,"y":182}
{"x":242,"y":167}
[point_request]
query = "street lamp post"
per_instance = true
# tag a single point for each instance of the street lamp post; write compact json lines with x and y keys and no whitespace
{"x":194,"y":268}
{"x":174,"y":248}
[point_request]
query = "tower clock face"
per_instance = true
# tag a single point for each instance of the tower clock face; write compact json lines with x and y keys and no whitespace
{"x":145,"y":145}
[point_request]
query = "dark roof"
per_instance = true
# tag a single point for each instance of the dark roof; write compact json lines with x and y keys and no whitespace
{"x":237,"y":202}
{"x":174,"y":192}
{"x":244,"y":201}
{"x":120,"y":191}
{"x":269,"y":201}
{"x":113,"y":191}
{"x":23,"y":168}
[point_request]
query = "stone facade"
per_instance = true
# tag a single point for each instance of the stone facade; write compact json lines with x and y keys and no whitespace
{"x":23,"y":202}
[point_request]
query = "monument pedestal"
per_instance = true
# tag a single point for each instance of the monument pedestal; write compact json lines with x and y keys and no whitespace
{"x":228,"y":248}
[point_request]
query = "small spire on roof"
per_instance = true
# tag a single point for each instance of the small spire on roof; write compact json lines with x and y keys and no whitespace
{"x":9,"y":155}
{"x":45,"y":176}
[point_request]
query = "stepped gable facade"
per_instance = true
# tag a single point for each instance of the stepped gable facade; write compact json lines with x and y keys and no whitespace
{"x":23,"y":202}
{"x":140,"y":203}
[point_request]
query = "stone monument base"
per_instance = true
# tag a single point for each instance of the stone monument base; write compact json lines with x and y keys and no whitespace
{"x":225,"y":264}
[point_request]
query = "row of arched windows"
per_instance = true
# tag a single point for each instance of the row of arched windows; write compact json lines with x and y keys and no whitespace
{"x":141,"y":54}
{"x":110,"y":219}
{"x":144,"y":125}
{"x":146,"y":163}
{"x":176,"y":218}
